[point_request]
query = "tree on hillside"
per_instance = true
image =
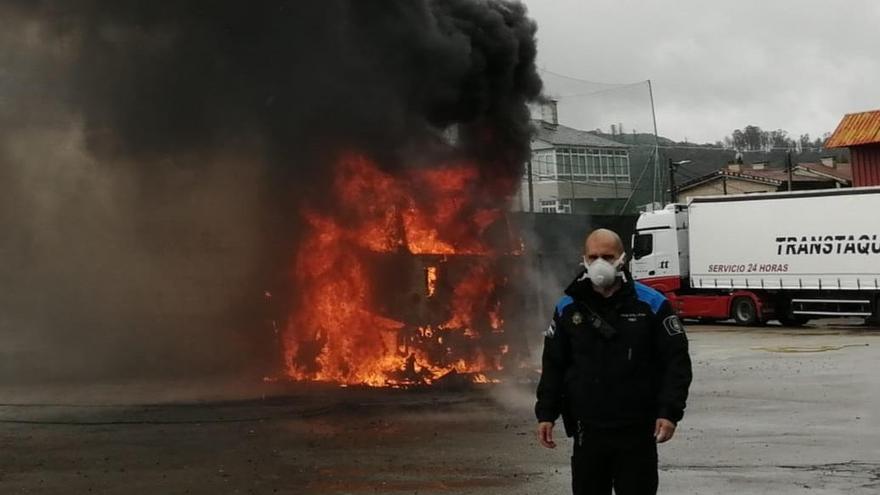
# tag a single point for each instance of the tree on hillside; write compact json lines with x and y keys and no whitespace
{"x":804,"y":142}
{"x":779,"y":140}
{"x":756,"y":139}
{"x":739,"y":140}
{"x":753,"y":138}
{"x":819,"y":143}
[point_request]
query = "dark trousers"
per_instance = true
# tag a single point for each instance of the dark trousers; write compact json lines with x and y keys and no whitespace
{"x":623,"y":458}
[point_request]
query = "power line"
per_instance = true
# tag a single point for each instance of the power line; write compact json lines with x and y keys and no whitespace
{"x":599,"y":91}
{"x":597,"y":83}
{"x":656,"y":155}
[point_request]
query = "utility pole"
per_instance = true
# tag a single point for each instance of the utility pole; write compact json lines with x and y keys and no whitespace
{"x":789,"y":168}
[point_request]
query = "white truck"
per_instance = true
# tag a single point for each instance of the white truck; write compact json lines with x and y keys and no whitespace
{"x":759,"y":257}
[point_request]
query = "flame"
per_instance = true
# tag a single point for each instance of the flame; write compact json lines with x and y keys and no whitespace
{"x":335,"y":334}
{"x":431,"y":280}
{"x":481,"y":378}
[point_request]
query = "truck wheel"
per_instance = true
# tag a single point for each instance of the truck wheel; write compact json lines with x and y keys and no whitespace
{"x":743,"y":311}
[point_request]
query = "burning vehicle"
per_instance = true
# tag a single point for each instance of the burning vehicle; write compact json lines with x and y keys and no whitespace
{"x":409,"y":287}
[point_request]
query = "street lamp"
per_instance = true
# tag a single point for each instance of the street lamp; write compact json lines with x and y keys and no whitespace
{"x":672,"y":166}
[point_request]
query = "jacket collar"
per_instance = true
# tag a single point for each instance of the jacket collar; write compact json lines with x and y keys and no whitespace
{"x":580,"y":289}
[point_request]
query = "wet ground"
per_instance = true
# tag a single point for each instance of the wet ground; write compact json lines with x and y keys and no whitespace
{"x":772,"y":411}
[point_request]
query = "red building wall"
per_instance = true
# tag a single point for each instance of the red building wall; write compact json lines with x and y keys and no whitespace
{"x":865,"y":165}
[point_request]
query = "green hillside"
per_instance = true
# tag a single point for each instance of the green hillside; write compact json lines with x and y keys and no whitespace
{"x":705,"y":158}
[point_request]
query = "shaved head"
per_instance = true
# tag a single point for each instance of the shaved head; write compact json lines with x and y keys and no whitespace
{"x":601,"y":243}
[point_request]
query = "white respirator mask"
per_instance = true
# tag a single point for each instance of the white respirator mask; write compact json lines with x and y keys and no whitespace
{"x":602,"y":273}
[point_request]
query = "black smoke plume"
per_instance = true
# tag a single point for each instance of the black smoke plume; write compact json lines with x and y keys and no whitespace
{"x":154,"y":155}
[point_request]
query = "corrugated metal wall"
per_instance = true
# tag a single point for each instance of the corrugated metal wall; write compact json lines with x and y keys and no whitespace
{"x":865,"y":165}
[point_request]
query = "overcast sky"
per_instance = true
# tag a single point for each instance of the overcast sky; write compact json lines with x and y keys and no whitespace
{"x":716,"y":65}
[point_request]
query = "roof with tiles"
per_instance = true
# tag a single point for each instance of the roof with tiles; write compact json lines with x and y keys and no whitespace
{"x":558,"y":134}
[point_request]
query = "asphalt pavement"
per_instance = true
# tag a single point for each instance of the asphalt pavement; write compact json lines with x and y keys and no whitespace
{"x":772,"y":410}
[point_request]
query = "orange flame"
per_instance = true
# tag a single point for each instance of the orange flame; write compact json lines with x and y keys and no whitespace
{"x":334,"y":333}
{"x":431,"y":280}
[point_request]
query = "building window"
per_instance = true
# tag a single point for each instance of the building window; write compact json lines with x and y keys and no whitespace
{"x":548,"y":206}
{"x":622,"y":170}
{"x":591,"y":165}
{"x":554,"y":206}
{"x":544,"y":166}
{"x":563,"y":163}
{"x":579,"y":165}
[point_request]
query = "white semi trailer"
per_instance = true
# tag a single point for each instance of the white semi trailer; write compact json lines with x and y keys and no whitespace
{"x":784,"y":256}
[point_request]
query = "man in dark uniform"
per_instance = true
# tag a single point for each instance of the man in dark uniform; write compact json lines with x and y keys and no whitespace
{"x":616,"y":368}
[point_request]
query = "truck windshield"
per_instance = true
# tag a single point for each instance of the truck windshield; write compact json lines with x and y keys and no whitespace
{"x":643,"y":245}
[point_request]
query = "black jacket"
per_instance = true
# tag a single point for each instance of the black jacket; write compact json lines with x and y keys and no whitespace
{"x":629,"y":366}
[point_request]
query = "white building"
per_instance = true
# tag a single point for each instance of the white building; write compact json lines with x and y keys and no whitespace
{"x":572,"y":170}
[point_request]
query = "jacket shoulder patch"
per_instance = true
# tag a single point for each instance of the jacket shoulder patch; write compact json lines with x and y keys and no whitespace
{"x":649,"y":296}
{"x":562,"y":304}
{"x":673,"y":325}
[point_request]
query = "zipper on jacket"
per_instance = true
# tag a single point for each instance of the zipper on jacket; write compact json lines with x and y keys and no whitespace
{"x":629,"y":354}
